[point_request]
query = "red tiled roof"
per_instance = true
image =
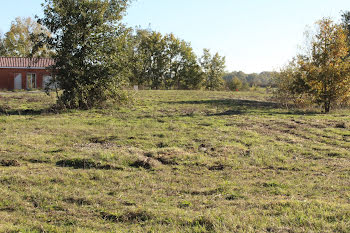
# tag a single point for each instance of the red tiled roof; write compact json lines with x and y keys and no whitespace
{"x":22,"y":62}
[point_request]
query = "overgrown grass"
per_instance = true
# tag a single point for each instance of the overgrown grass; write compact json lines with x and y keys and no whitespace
{"x":173,"y":161}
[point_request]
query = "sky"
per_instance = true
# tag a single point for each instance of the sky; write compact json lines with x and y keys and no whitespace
{"x":253,"y":35}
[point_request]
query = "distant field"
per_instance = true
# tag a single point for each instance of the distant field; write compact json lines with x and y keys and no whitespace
{"x":173,"y":161}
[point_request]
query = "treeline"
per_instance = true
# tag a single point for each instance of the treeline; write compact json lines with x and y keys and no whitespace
{"x":159,"y":61}
{"x":239,"y":80}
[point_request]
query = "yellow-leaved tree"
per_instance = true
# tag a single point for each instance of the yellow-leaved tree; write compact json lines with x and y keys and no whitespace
{"x":18,"y":41}
{"x":323,"y":72}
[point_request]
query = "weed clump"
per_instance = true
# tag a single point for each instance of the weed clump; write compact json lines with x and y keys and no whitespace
{"x":167,"y":160}
{"x":128,"y":217}
{"x":39,"y":160}
{"x":234,"y":196}
{"x":78,"y":163}
{"x":78,"y":201}
{"x":4,"y":109}
{"x":9,"y":163}
{"x":145,"y":162}
{"x":207,"y":192}
{"x":218,"y":167}
{"x":185,"y":204}
{"x":342,"y":125}
{"x":271,"y":184}
{"x":203,"y":222}
{"x":102,"y":140}
{"x":163,"y":157}
{"x":335,"y":154}
{"x":162,"y":145}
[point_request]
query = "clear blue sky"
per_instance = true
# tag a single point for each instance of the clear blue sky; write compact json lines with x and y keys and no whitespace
{"x":254,"y":35}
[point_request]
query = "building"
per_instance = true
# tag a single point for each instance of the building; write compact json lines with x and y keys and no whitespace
{"x":24,"y":73}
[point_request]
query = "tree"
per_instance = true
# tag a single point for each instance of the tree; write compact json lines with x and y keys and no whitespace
{"x":149,"y":58}
{"x":190,"y":75}
{"x":139,"y":57}
{"x":156,"y":44}
{"x":183,"y":69}
{"x":263,"y":79}
{"x":214,"y":70}
{"x":89,"y":40}
{"x":253,"y":79}
{"x":2,"y":46}
{"x":327,"y":70}
{"x":235,"y":84}
{"x":18,"y":41}
{"x":346,"y":25}
{"x":161,"y":61}
{"x":323,"y":72}
{"x":292,"y":87}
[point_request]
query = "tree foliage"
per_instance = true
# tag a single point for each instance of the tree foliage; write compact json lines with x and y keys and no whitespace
{"x":346,"y":25}
{"x":291,"y":86}
{"x":89,"y":40}
{"x":18,"y":42}
{"x":323,"y":72}
{"x":2,"y":46}
{"x":159,"y":61}
{"x":263,"y":79}
{"x":235,"y":84}
{"x":214,"y":69}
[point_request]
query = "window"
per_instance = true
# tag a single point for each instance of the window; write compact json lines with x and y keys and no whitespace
{"x":31,"y":81}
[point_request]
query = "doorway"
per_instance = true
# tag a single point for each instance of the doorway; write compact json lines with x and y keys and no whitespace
{"x":18,"y":82}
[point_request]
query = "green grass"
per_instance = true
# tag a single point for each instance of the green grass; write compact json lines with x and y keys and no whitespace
{"x":173,"y":161}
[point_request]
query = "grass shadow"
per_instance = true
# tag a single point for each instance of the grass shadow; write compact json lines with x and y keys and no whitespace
{"x":78,"y":163}
{"x":241,"y":107}
{"x":52,"y":109}
{"x":23,"y":112}
{"x":231,"y":102}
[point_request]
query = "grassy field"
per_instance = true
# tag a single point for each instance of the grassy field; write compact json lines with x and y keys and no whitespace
{"x":173,"y":161}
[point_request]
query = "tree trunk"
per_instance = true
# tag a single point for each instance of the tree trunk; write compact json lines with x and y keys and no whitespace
{"x":327,"y":106}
